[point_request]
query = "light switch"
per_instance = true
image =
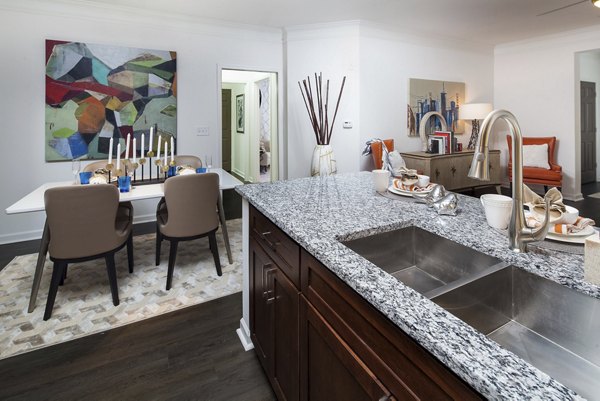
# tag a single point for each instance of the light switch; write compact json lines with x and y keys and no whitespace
{"x":202,"y":131}
{"x":347,"y":124}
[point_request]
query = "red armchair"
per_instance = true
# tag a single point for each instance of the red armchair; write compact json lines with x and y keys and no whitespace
{"x":536,"y":175}
{"x":376,"y":151}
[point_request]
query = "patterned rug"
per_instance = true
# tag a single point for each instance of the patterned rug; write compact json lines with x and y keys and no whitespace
{"x":596,"y":195}
{"x":84,"y":305}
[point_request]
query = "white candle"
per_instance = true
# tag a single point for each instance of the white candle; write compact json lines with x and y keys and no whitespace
{"x":110,"y":151}
{"x":134,"y":151}
{"x":172,"y":149}
{"x":151,"y":138}
{"x":118,"y":155}
{"x":166,"y":153}
{"x":158,"y":148}
{"x":127,"y":146}
{"x":142,"y":150}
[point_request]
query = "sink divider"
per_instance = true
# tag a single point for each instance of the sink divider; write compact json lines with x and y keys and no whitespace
{"x":465,"y":280}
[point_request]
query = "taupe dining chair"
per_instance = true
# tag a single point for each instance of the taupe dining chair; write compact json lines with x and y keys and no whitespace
{"x":85,"y":223}
{"x":188,"y":160}
{"x":189,"y":211}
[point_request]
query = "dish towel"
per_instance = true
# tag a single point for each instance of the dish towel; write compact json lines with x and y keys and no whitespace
{"x":537,"y":204}
{"x":580,"y":224}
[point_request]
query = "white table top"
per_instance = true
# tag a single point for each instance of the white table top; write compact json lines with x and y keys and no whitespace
{"x":34,"y":201}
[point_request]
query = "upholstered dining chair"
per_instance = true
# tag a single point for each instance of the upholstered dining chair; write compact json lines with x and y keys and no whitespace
{"x":188,"y":160}
{"x":550,"y":176}
{"x":189,"y":211}
{"x":85,"y":223}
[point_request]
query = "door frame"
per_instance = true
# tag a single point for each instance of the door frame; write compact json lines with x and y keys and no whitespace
{"x":595,"y":85}
{"x":281,"y":118}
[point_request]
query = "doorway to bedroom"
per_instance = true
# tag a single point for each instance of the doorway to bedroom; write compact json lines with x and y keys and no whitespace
{"x":249,"y":118}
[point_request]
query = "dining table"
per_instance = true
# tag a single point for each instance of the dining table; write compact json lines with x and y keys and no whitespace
{"x":34,"y":202}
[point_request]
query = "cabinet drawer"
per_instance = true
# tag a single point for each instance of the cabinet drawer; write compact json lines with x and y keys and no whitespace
{"x":281,"y":248}
{"x":403,"y":366}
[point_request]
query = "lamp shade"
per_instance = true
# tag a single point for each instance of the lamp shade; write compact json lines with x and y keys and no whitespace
{"x":474,"y":111}
{"x":596,"y":3}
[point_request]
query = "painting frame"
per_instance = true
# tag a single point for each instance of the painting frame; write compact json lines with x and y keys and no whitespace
{"x":96,"y":92}
{"x":240,"y":114}
{"x":426,"y":95}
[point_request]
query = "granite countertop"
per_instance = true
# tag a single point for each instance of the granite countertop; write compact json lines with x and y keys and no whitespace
{"x":319,"y":212}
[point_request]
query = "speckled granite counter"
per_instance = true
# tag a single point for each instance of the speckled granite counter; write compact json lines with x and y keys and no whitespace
{"x":319,"y":212}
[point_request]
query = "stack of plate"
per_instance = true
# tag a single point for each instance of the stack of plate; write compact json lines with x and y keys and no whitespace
{"x":572,"y":238}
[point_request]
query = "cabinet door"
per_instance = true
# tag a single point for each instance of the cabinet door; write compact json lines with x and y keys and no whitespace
{"x":285,"y":298}
{"x":330,"y":370}
{"x":262,"y":270}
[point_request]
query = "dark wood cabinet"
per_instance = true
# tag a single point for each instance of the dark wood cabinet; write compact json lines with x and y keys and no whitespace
{"x":330,"y":370}
{"x":318,"y":339}
{"x":274,"y":321}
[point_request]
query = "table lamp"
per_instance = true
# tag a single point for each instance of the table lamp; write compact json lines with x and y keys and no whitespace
{"x":474,"y":112}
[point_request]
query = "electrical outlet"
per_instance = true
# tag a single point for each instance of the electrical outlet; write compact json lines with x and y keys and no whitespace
{"x":347,"y":124}
{"x":202,"y":131}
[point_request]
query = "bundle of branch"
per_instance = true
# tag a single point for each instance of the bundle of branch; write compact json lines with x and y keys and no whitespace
{"x":318,"y":111}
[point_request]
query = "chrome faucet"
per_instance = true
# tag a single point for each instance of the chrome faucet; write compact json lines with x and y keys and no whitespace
{"x":519,"y":233}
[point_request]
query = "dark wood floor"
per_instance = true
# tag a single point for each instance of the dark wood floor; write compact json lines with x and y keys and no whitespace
{"x":190,"y":354}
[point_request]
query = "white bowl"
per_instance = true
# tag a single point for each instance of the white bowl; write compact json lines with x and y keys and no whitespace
{"x":498,"y":209}
{"x":423,"y":181}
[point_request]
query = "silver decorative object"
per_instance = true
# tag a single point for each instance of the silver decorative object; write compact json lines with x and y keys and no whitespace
{"x":448,"y":205}
{"x":437,"y":193}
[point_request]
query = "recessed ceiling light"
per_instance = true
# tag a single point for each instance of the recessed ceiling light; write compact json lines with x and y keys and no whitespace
{"x":596,"y":3}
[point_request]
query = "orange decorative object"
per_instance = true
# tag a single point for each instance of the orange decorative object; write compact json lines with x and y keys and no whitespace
{"x":535,"y":175}
{"x":376,"y":151}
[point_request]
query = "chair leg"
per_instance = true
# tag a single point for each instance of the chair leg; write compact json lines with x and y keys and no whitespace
{"x":57,"y":274}
{"x":172,"y":257}
{"x":545,"y":188}
{"x":112,"y":277}
{"x":130,"y":252}
{"x":64,"y":277}
{"x":212,"y":240}
{"x":158,"y":241}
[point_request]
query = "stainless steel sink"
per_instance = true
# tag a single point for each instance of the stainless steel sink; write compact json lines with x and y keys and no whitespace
{"x":554,"y":328}
{"x":424,"y":261}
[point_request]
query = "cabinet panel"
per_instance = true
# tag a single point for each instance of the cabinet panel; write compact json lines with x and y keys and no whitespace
{"x":330,"y":370}
{"x":285,"y":298}
{"x":262,"y":270}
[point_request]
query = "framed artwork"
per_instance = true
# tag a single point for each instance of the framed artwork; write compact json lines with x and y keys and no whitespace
{"x":97,"y":92}
{"x":441,"y":96}
{"x":239,"y":113}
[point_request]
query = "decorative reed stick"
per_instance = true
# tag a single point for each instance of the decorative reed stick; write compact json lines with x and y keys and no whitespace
{"x":318,"y":112}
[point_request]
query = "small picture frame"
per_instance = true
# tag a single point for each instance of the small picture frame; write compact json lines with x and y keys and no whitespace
{"x":239,"y":114}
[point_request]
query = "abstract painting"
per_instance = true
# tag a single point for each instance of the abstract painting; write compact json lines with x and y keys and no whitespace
{"x":239,"y":113}
{"x":96,"y":92}
{"x":441,"y":96}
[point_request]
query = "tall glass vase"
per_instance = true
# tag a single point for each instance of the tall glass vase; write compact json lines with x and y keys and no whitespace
{"x":323,"y":161}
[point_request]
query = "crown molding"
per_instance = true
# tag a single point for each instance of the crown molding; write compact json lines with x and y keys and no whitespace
{"x":575,"y":37}
{"x":94,"y":11}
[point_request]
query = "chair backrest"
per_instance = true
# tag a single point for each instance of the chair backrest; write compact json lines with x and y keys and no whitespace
{"x":81,"y":220}
{"x":191,"y":204}
{"x":550,"y":140}
{"x":377,"y":151}
{"x":188,"y":160}
{"x":93,"y":166}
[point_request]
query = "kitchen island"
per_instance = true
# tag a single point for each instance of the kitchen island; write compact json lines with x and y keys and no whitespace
{"x":318,"y":213}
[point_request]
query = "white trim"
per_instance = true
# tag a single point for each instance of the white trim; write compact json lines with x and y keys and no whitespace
{"x":95,"y":11}
{"x":244,"y":334}
{"x":238,"y":173}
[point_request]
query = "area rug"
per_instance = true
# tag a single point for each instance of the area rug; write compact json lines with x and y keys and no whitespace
{"x":596,"y":195}
{"x":84,"y":305}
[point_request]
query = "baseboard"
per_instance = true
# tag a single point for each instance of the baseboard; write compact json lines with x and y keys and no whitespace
{"x":244,"y":334}
{"x":37,"y":234}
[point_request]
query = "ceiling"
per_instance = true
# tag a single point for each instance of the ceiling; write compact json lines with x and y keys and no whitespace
{"x":484,"y":21}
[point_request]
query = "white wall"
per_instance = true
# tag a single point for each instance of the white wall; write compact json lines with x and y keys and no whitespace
{"x":201,"y":48}
{"x":332,"y":49}
{"x":538,"y":80}
{"x":388,"y":59}
{"x":589,"y":70}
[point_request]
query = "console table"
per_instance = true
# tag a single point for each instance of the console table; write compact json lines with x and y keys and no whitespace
{"x":451,"y":170}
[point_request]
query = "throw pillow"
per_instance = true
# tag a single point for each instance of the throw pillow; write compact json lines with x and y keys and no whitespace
{"x":536,"y":156}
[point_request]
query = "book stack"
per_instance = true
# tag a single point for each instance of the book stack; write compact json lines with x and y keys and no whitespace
{"x":442,"y":142}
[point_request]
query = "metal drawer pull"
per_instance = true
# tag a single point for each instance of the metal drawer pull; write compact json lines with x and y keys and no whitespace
{"x":268,"y":273}
{"x":272,"y":245}
{"x":384,"y":398}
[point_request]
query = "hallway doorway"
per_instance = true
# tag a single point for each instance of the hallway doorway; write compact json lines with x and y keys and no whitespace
{"x":250,"y":124}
